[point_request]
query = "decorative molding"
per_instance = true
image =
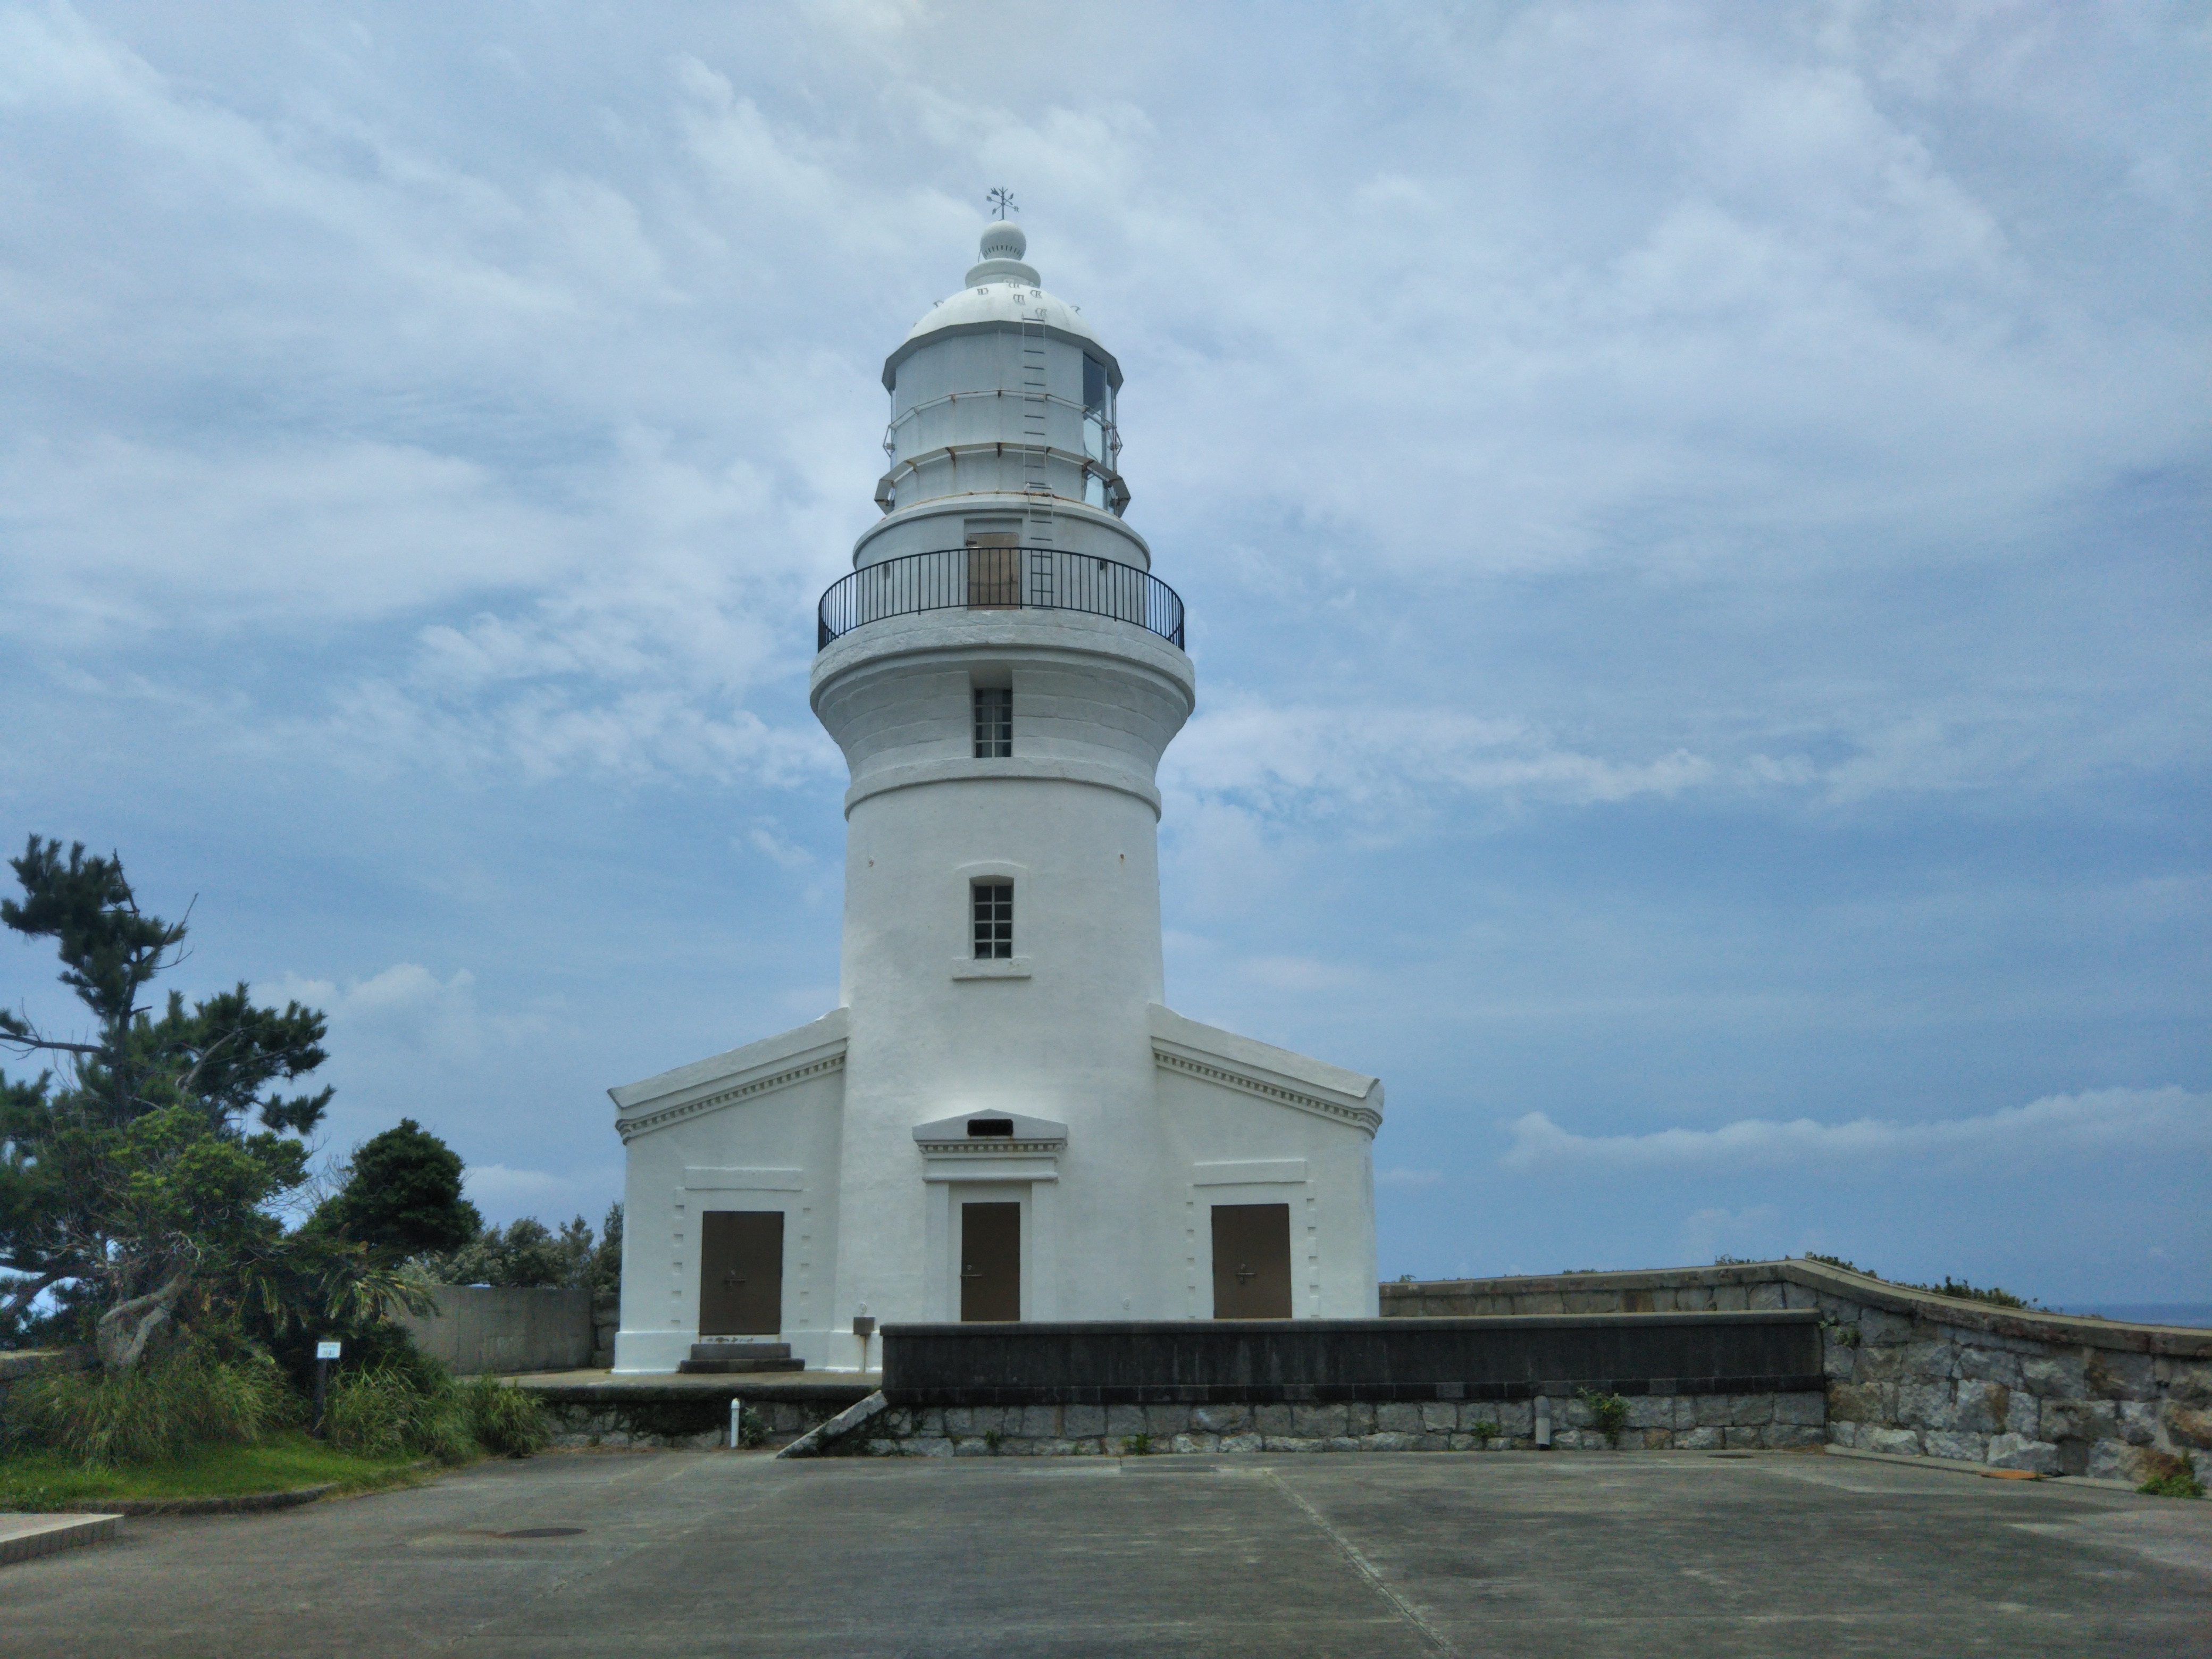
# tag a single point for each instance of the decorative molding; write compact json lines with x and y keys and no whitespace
{"x":646,"y":1123}
{"x":908,"y":775}
{"x":995,"y":1146}
{"x":700,"y":1179}
{"x":1261,"y":1172}
{"x":1173,"y":1059}
{"x":990,"y":968}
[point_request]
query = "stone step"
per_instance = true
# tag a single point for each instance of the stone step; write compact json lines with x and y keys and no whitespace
{"x":731,"y":1367}
{"x":727,"y":1359}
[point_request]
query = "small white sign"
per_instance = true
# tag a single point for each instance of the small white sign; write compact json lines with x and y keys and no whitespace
{"x":326,"y":1350}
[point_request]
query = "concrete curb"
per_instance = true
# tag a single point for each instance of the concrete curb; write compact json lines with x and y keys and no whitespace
{"x":247,"y":1504}
{"x":27,"y":1537}
{"x":1959,"y":1466}
{"x":811,"y":1443}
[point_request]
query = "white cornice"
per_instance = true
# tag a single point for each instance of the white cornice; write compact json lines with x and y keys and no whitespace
{"x":819,"y":1064}
{"x":1174,"y":1057}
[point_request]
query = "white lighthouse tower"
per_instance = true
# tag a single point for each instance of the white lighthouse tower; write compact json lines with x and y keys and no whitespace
{"x":1001,"y":1119}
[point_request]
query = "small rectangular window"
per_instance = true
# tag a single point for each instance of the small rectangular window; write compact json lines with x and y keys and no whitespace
{"x":994,"y":919}
{"x":995,"y":722}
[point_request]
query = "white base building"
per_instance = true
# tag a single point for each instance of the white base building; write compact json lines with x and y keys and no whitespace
{"x":1001,"y":1119}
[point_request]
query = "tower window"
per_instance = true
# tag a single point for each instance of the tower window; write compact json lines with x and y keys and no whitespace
{"x":995,"y":722}
{"x":1097,"y":409}
{"x":994,"y":919}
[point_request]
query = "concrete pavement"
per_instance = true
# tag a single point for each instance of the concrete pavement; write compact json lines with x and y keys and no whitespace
{"x":1587,"y":1554}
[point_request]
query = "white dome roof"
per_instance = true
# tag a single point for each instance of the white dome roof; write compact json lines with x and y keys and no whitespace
{"x":1002,"y":291}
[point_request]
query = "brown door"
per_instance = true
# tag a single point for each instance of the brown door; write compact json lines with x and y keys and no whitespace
{"x":1251,"y":1261}
{"x":990,"y":1262}
{"x":740,"y":1272}
{"x":994,"y":571}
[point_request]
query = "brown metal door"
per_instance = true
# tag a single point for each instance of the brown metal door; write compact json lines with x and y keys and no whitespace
{"x":1251,"y":1261}
{"x":994,"y":572}
{"x":990,"y":1262}
{"x":740,"y":1272}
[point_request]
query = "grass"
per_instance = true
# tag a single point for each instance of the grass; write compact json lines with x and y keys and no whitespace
{"x":278,"y":1462}
{"x":2170,"y":1476}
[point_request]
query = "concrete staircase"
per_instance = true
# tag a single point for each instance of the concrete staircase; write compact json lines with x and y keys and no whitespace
{"x":730,"y":1358}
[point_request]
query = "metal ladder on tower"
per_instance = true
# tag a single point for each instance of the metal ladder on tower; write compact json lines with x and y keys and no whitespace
{"x":1036,"y":452}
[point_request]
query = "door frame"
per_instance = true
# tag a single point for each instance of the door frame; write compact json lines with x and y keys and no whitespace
{"x":783,"y":1250}
{"x":690,"y":1249}
{"x":1035,"y":1193}
{"x":1305,"y":1239}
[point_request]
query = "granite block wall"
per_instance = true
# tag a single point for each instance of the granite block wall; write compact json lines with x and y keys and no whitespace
{"x":1655,"y":1422}
{"x":1913,"y":1374}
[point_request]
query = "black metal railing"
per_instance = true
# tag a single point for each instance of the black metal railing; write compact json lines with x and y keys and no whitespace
{"x":999,"y":579}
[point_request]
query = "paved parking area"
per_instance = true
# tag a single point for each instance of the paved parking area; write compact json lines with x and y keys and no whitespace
{"x":1584,"y":1554}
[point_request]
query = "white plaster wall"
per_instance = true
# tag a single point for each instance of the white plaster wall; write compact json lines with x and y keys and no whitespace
{"x":778,"y":1149}
{"x":1330,"y":1191}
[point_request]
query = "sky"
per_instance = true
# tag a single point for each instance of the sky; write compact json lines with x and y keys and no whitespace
{"x":1694,"y":518}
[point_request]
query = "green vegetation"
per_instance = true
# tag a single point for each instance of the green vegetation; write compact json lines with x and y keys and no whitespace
{"x":284,"y":1461}
{"x":1959,"y":1288}
{"x":156,"y":1412}
{"x":420,"y":1407}
{"x":752,"y":1428}
{"x":1485,"y":1429}
{"x":1137,"y":1445}
{"x":527,"y":1253}
{"x":143,"y":1195}
{"x":188,"y":1400}
{"x":1608,"y":1414}
{"x":2170,"y":1476}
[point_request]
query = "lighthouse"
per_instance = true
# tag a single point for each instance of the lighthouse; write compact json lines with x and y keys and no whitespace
{"x":1002,"y":1119}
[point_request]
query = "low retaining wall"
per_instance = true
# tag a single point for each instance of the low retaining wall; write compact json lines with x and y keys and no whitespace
{"x":1912,"y":1373}
{"x":1716,"y":1381}
{"x":480,"y":1329}
{"x":1656,"y":1422}
{"x":1267,"y":1361}
{"x":621,"y":1412}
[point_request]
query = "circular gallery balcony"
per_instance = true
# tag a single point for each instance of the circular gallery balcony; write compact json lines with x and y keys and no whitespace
{"x":999,"y":579}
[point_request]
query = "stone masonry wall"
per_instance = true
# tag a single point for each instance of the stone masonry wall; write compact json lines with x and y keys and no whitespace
{"x":1655,"y":1422}
{"x":702,"y":1424}
{"x":1917,"y":1375}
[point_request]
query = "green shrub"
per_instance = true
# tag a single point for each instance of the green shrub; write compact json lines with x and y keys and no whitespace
{"x":1608,"y":1414}
{"x":1137,"y":1445}
{"x":156,"y":1412}
{"x":383,"y":1410}
{"x":1485,"y":1429}
{"x":2170,"y":1476}
{"x":752,"y":1427}
{"x":417,"y":1405}
{"x":510,"y":1422}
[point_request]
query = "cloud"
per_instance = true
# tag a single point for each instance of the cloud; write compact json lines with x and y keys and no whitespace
{"x":2171,"y":1119}
{"x":1277,"y":758}
{"x":1408,"y":1178}
{"x":496,"y":1187}
{"x":407,"y":1009}
{"x":1752,"y":1233}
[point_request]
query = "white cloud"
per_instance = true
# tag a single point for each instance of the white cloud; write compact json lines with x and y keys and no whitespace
{"x":1381,"y":760}
{"x":499,"y":1189}
{"x":2171,"y":1119}
{"x":1752,"y":1233}
{"x":1408,"y":1178}
{"x":408,"y":1010}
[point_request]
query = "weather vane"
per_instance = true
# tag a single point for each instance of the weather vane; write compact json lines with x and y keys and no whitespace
{"x":1003,"y":199}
